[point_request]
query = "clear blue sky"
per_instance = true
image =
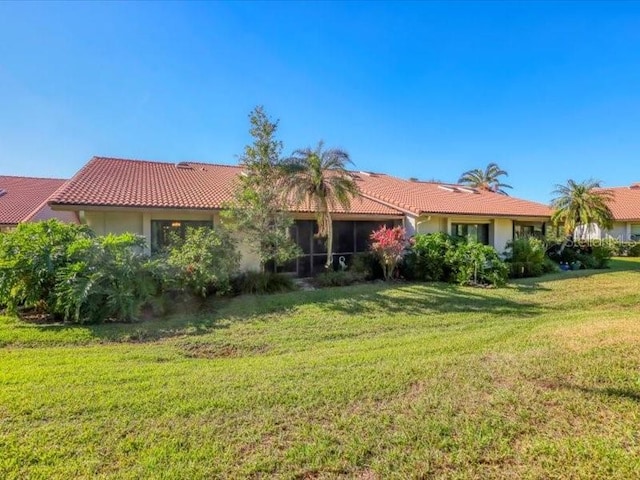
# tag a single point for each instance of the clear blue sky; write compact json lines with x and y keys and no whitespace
{"x":550,"y":91}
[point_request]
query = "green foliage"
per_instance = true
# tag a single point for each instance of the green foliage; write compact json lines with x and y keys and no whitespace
{"x":624,"y":249}
{"x":526,"y":258}
{"x":259,"y":283}
{"x":318,"y":179}
{"x":205,"y":260}
{"x":338,"y":278}
{"x":427,"y":258}
{"x":477,"y":264}
{"x":258,"y":209}
{"x":366,"y":264}
{"x":487,"y":179}
{"x":581,"y":204}
{"x":602,"y":255}
{"x":106,"y":278}
{"x":30,"y":258}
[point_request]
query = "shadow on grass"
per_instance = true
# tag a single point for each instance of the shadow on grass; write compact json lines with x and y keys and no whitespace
{"x":368,"y":300}
{"x":373,"y":299}
{"x":135,"y":332}
{"x":616,"y":265}
{"x":623,"y":393}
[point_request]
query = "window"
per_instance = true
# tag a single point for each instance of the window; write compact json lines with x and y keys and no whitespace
{"x":478,"y":232}
{"x":525,"y":230}
{"x":162,"y":230}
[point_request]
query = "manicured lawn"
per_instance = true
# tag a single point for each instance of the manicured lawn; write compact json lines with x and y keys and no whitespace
{"x":537,"y":380}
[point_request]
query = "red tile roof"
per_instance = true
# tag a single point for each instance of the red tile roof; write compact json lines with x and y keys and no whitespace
{"x":625,"y":204}
{"x":190,"y":185}
{"x":24,"y":198}
{"x":143,"y":184}
{"x":437,"y":198}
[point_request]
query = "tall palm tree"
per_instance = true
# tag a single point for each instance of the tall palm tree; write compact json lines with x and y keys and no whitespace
{"x":319,"y":179}
{"x":487,"y":179}
{"x":581,"y":205}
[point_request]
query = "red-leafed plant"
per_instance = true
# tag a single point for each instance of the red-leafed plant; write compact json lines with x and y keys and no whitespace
{"x":388,"y":245}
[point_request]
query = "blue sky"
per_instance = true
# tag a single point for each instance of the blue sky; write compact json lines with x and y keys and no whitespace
{"x":550,"y":91}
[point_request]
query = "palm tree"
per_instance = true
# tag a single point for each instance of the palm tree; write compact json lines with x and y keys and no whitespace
{"x":581,"y":204}
{"x":320,"y":179}
{"x":487,"y":179}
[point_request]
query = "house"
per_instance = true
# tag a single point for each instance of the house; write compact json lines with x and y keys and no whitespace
{"x":154,"y":199}
{"x":24,"y":199}
{"x":429,"y":207}
{"x":625,"y":207}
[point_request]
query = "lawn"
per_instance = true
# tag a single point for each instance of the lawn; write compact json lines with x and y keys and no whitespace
{"x":537,"y":380}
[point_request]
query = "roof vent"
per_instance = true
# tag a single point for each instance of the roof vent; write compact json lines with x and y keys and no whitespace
{"x":184,"y":166}
{"x":633,"y":185}
{"x":2,"y":191}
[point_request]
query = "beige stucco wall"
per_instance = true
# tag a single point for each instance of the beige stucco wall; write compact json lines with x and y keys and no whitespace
{"x":431,"y":224}
{"x":500,"y":229}
{"x":502,"y":233}
{"x":104,"y":222}
{"x":114,"y":222}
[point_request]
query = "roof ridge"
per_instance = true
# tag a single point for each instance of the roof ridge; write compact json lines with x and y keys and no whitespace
{"x":162,"y":162}
{"x":35,"y":178}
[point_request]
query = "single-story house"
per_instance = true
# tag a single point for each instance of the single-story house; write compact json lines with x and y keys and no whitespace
{"x":154,"y":198}
{"x":24,"y":199}
{"x":625,"y":207}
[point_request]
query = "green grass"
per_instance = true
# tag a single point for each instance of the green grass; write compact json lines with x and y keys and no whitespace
{"x":537,"y":380}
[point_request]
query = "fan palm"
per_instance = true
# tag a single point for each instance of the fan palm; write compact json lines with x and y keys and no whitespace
{"x":487,"y":179}
{"x":581,"y":204}
{"x":319,"y":179}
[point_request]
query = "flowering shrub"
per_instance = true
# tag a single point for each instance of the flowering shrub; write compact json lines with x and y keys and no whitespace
{"x":388,"y":245}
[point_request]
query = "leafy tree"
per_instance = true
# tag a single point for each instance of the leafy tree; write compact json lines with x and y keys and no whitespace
{"x":205,"y":260}
{"x":258,"y":209}
{"x":487,"y":179}
{"x":388,"y":244}
{"x":581,"y":204}
{"x":319,"y":179}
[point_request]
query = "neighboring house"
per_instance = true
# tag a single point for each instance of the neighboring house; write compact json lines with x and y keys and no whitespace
{"x":24,"y":199}
{"x":155,"y":198}
{"x":429,"y":207}
{"x":625,"y":207}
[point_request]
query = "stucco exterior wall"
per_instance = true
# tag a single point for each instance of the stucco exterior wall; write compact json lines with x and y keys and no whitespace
{"x":502,"y":233}
{"x":114,"y":222}
{"x":431,"y":224}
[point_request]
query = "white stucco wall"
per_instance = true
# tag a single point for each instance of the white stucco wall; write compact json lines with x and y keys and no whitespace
{"x":502,"y":233}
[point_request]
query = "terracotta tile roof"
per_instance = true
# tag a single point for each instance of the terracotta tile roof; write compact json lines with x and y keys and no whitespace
{"x":189,"y":185}
{"x":437,"y":198}
{"x":626,"y":202}
{"x":24,"y":198}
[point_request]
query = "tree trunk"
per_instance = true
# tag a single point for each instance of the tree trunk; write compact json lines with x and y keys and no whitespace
{"x":329,"y":264}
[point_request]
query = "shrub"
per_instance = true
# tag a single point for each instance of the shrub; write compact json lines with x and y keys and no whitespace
{"x":477,"y":264}
{"x":205,"y":260}
{"x":388,"y":245}
{"x":367,"y":265}
{"x":601,"y":255}
{"x":30,"y":258}
{"x":251,"y":282}
{"x":338,"y":278}
{"x":634,"y":250}
{"x":427,"y":257}
{"x":526,"y":257}
{"x":106,"y":278}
